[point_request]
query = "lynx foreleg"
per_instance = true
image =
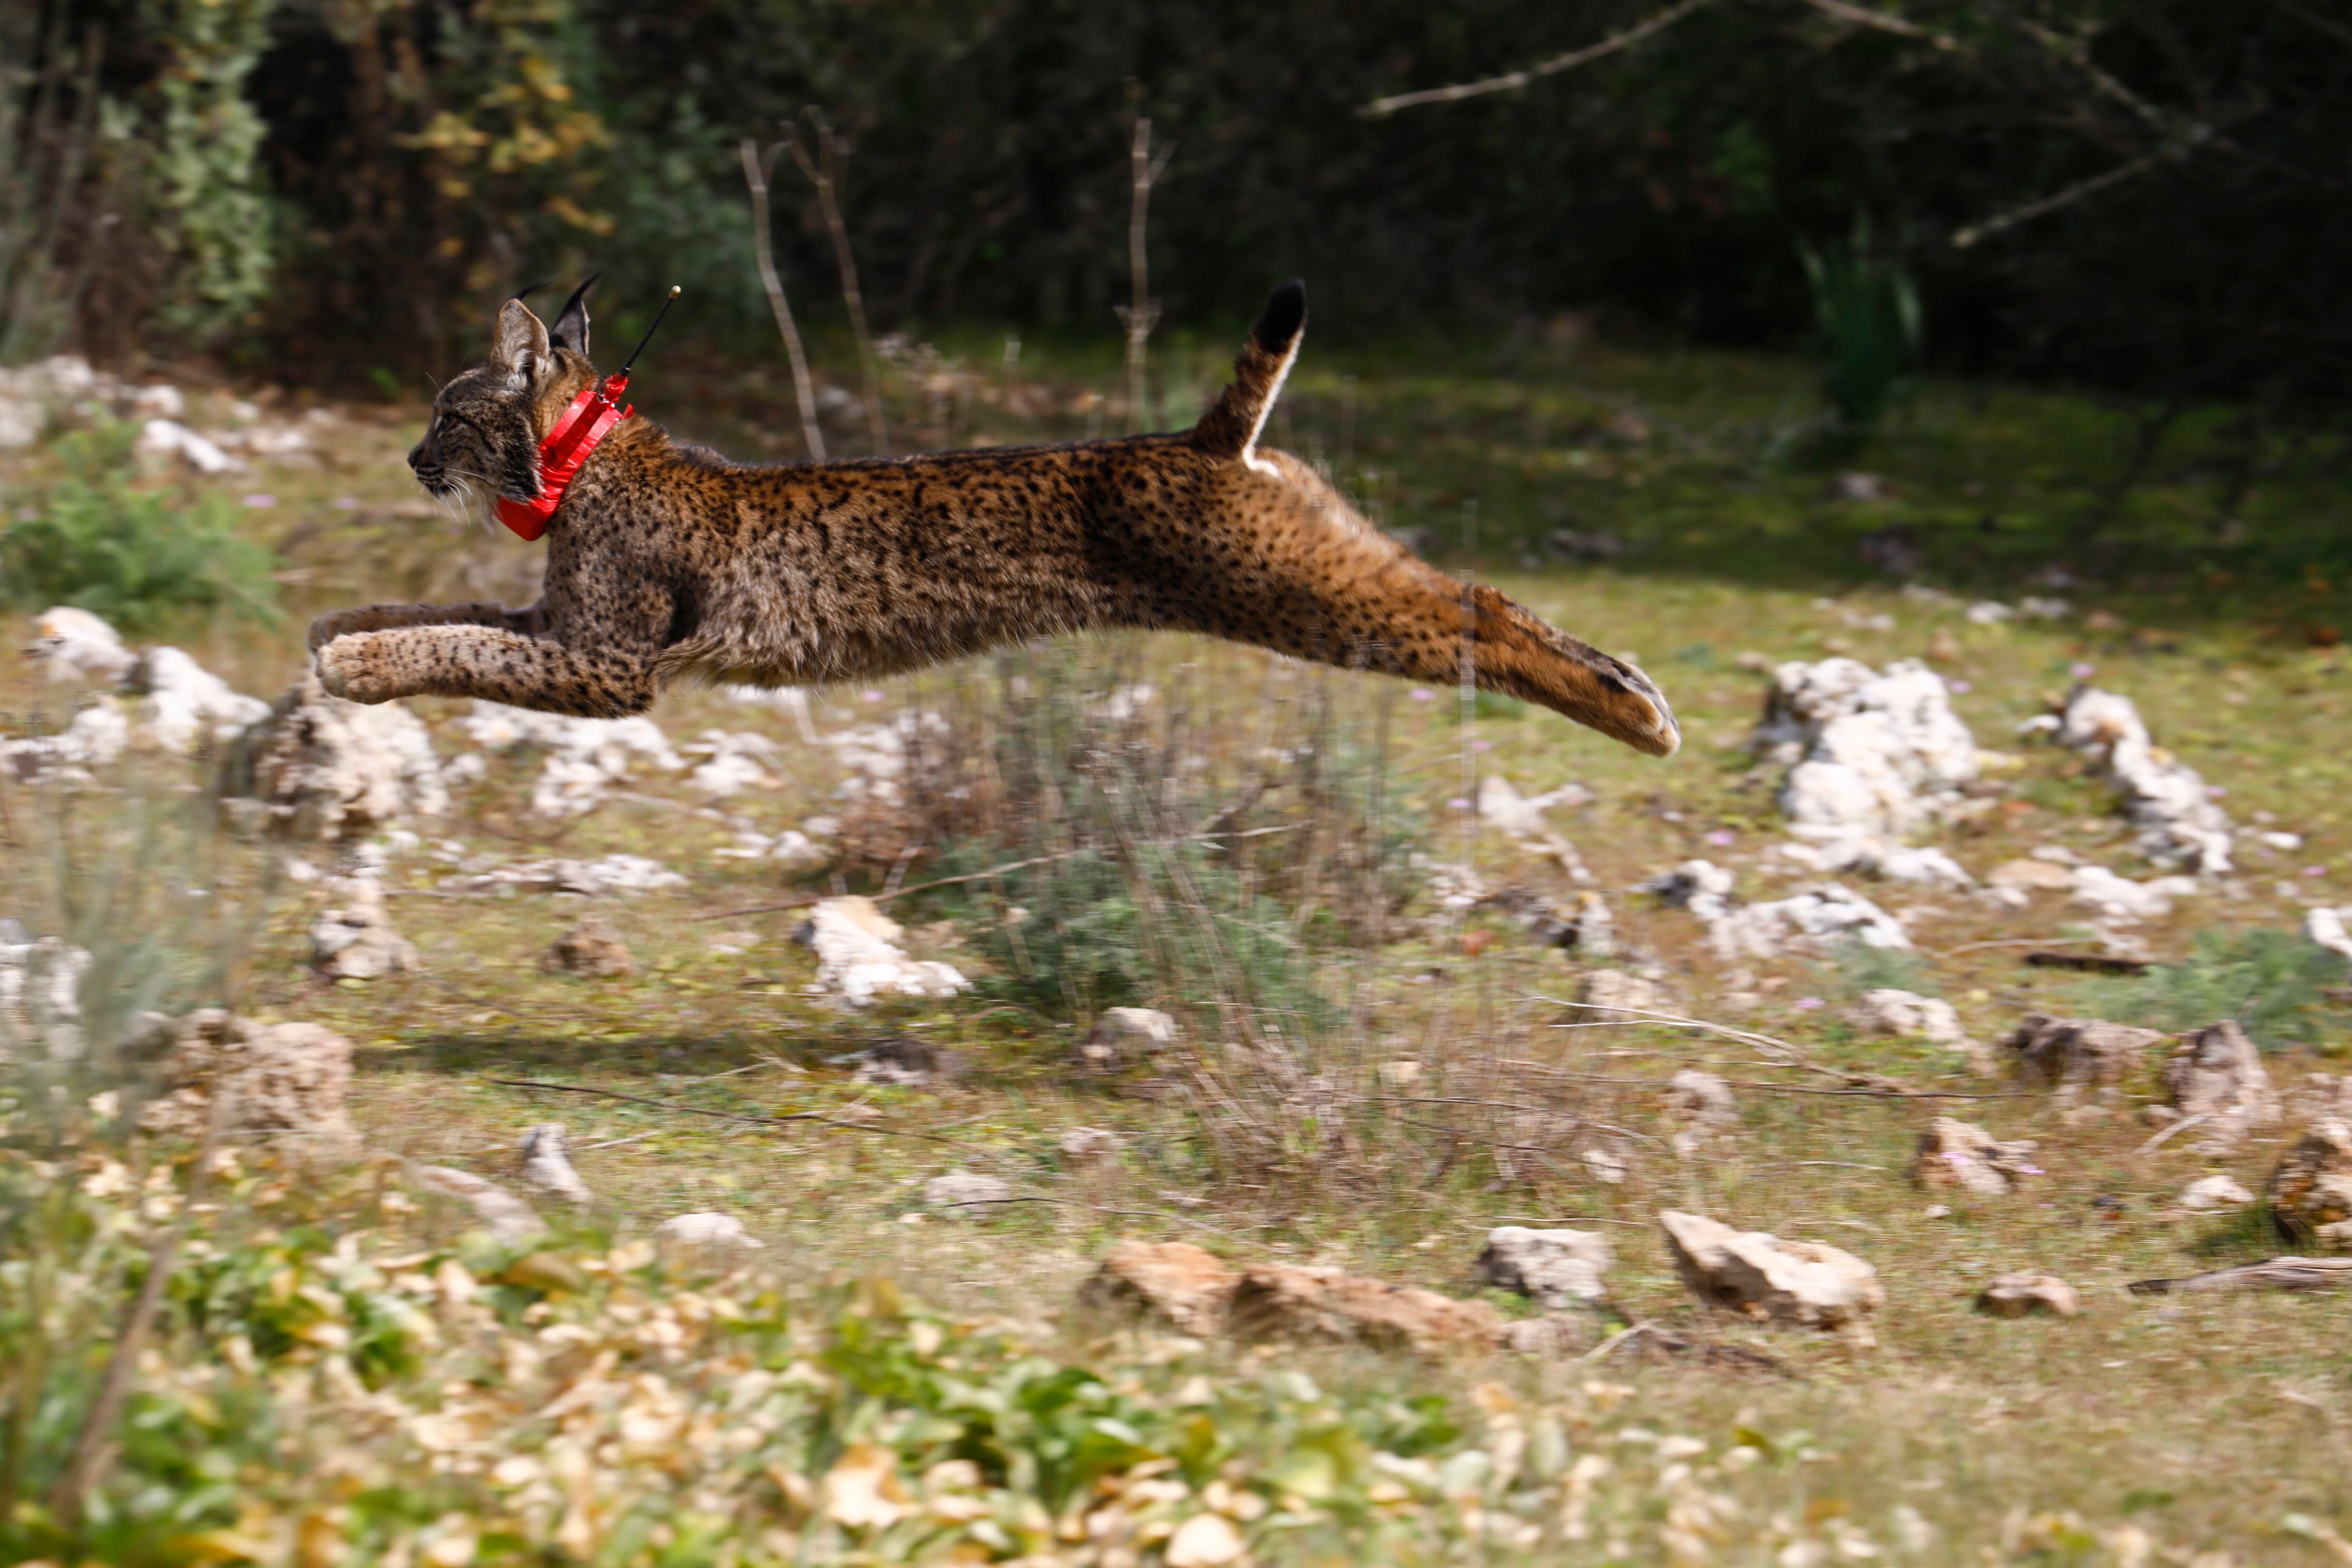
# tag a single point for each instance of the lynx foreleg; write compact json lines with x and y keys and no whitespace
{"x":487,"y":662}
{"x":384,"y":617}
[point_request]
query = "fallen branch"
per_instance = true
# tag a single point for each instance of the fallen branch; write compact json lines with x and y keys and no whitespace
{"x":1789,"y":1055}
{"x":818,"y":1117}
{"x":2269,"y":1274}
{"x":1380,"y":108}
{"x":2088,"y":962}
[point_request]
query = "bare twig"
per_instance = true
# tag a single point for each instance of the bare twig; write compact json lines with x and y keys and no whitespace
{"x":755,"y":176}
{"x":1886,"y":22}
{"x":2271,"y":1274}
{"x":1140,"y":316}
{"x":823,"y":172}
{"x":1969,"y":236}
{"x":94,"y":1447}
{"x":2183,"y":1125}
{"x":1380,"y":108}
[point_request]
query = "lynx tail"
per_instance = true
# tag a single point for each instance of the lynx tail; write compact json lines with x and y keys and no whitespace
{"x":1231,"y":428}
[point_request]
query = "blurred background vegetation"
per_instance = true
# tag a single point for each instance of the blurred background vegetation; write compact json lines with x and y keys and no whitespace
{"x":2143,"y":195}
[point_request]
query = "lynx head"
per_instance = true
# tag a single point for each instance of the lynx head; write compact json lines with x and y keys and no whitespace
{"x":483,"y":441}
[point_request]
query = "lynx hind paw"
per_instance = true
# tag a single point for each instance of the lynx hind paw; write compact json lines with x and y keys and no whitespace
{"x":1646,"y":717}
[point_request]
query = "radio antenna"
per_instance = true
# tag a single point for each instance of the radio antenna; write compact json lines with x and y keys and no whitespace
{"x":675,"y":289}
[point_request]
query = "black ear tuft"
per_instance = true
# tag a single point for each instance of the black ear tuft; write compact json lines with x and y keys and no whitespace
{"x":526,"y":293}
{"x":571,"y":329}
{"x":1285,"y":312}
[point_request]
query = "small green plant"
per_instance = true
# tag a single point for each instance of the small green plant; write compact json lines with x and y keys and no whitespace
{"x":1868,"y":312}
{"x":131,"y":555}
{"x":2271,"y":982}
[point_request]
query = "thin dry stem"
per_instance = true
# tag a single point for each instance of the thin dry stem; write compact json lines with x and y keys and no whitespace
{"x":755,"y":176}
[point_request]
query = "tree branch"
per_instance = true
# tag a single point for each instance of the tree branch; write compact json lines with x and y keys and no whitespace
{"x":1380,"y":108}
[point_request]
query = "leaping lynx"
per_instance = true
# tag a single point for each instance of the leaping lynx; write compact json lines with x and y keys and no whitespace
{"x":666,"y":561}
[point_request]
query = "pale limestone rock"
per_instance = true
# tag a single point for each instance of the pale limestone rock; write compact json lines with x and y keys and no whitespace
{"x":1123,"y":1036}
{"x":1704,"y":1108}
{"x":547,"y":1165}
{"x":705,"y":1228}
{"x":1955,"y":1153}
{"x":354,"y":939}
{"x":328,"y":769}
{"x":2164,"y":797}
{"x":2017,"y":1295}
{"x":860,"y":961}
{"x":2216,"y":1073}
{"x":2217,"y":1192}
{"x":1179,"y":1281}
{"x":1558,"y":1269}
{"x":2311,"y":1192}
{"x":594,"y":949}
{"x":1808,"y":1284}
{"x":290,"y":1080}
{"x":2076,"y":1055}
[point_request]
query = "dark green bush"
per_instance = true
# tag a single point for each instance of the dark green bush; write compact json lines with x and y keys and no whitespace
{"x":132,"y":554}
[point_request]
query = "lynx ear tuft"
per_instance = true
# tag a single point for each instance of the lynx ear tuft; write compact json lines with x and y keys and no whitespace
{"x":571,"y":329}
{"x":519,"y":347}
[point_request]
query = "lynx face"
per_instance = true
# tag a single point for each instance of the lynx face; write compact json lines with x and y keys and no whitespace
{"x":480,"y":440}
{"x":483,"y":441}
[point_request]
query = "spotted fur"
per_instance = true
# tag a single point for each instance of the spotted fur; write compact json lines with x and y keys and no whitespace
{"x":667,"y":561}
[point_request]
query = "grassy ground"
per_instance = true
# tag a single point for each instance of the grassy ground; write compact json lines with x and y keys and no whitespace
{"x":2204,"y":1429}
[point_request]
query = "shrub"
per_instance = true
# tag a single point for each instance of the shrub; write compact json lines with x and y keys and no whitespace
{"x":1868,"y":313}
{"x":134,"y":556}
{"x":2270,"y":981}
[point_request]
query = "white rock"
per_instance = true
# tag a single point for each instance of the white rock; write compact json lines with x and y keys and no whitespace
{"x":354,"y":940}
{"x":1558,"y":1269}
{"x":76,"y":647}
{"x":1699,"y":886}
{"x":184,"y":703}
{"x":589,"y":879}
{"x":793,"y":849}
{"x":2326,"y":926}
{"x":705,"y":1228}
{"x":964,"y":1193}
{"x":326,"y":768}
{"x":1818,"y":917}
{"x":858,"y":958}
{"x":2164,"y":797}
{"x":95,"y":736}
{"x":40,"y":993}
{"x":547,"y":1165}
{"x":168,"y":441}
{"x":1704,"y":1107}
{"x":734,"y":761}
{"x":1873,"y":855}
{"x":585,"y":757}
{"x":1122,"y":1037}
{"x":1876,"y":753}
{"x":1911,"y":1016}
{"x":160,"y":400}
{"x":2121,"y":897}
{"x":1989,"y":613}
{"x":2219,"y":1192}
{"x":1806,"y":1283}
{"x":876,"y":757}
{"x":1522,"y":816}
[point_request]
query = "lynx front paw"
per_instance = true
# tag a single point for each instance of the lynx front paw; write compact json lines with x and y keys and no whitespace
{"x":352,"y":668}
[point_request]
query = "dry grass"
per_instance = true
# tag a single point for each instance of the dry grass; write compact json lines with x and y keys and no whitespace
{"x":2200,"y":1423}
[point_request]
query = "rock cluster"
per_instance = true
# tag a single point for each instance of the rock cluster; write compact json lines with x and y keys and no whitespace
{"x":354,"y":937}
{"x":860,"y":961}
{"x":2164,"y":797}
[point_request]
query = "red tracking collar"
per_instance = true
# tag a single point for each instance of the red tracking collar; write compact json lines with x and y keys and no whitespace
{"x":577,"y":433}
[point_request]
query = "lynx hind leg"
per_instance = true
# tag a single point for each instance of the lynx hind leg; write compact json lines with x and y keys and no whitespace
{"x":1521,"y":656}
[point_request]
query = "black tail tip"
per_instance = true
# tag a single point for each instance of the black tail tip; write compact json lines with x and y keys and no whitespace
{"x":1285,"y":313}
